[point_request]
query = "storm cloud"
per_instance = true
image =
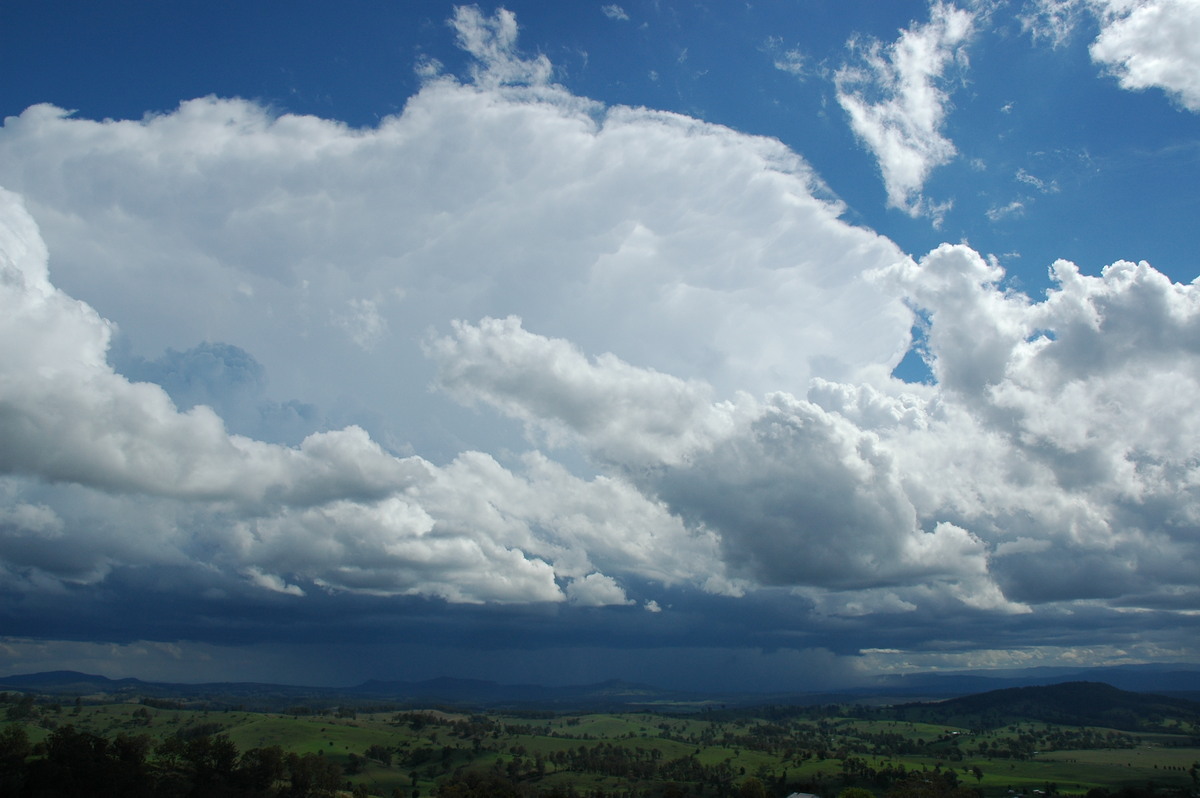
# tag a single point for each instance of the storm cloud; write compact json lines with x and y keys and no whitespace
{"x":515,"y":365}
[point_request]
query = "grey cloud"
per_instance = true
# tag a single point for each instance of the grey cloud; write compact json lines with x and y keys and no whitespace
{"x":801,"y":498}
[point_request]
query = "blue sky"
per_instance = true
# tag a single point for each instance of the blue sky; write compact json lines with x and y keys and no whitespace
{"x":774,"y":344}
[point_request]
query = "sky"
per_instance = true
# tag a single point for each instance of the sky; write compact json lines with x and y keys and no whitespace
{"x":775,"y":345}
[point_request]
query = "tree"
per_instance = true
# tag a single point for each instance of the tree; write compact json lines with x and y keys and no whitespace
{"x":14,"y":747}
{"x":752,"y":788}
{"x":477,"y":784}
{"x":929,"y":784}
{"x":312,"y":775}
{"x":380,"y":753}
{"x":24,"y":709}
{"x":79,"y":763}
{"x":856,"y":792}
{"x":259,"y":768}
{"x":211,"y":761}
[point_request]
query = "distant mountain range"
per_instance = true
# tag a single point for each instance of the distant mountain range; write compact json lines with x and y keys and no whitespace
{"x":1169,"y":679}
{"x":432,"y":692}
{"x":1069,"y":703}
{"x":1178,"y":682}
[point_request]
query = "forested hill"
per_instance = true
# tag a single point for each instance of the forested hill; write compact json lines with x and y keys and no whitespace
{"x":1070,"y":703}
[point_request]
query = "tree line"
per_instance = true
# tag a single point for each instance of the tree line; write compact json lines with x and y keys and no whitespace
{"x":78,"y":764}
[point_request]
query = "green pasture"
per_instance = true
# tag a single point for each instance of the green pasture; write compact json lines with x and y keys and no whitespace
{"x":905,"y":729}
{"x":611,"y":726}
{"x":424,"y":757}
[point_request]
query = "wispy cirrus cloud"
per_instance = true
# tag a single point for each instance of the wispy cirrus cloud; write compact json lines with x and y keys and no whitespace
{"x":614,"y":11}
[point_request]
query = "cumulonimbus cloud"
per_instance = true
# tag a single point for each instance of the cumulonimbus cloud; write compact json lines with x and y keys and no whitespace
{"x":674,"y":309}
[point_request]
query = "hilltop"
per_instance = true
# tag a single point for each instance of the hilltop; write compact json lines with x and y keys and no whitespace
{"x":1070,"y":703}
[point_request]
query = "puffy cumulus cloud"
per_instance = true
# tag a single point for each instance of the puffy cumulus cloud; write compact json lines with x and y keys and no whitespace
{"x":390,"y":548}
{"x":475,"y":531}
{"x":596,"y":590}
{"x":1152,"y":44}
{"x":624,"y":413}
{"x":896,"y":102}
{"x":1060,"y":430}
{"x":797,"y":496}
{"x":87,"y":451}
{"x":291,"y":256}
{"x":1143,"y":43}
{"x":581,"y":525}
{"x":1054,"y":460}
{"x":69,"y":417}
{"x":675,"y":244}
{"x":802,"y":497}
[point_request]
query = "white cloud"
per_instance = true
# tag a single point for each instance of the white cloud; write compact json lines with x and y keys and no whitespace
{"x":336,"y":511}
{"x":493,"y":42}
{"x":787,"y":59}
{"x":596,"y":590}
{"x":894,"y":97}
{"x":1143,"y":43}
{"x":1054,"y":20}
{"x":797,"y":496}
{"x":271,"y":582}
{"x":1152,"y":44}
{"x":998,"y":212}
{"x":614,"y":11}
{"x":676,"y":309}
{"x":1057,"y":440}
{"x":592,"y":224}
{"x":579,"y":526}
{"x":69,"y":417}
{"x":1044,"y":186}
{"x":624,"y":413}
{"x":363,"y":322}
{"x":1062,"y":421}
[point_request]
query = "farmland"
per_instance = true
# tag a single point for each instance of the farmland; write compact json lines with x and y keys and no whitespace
{"x":760,"y":751}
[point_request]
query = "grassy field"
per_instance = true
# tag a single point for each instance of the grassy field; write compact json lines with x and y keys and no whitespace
{"x":614,"y":751}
